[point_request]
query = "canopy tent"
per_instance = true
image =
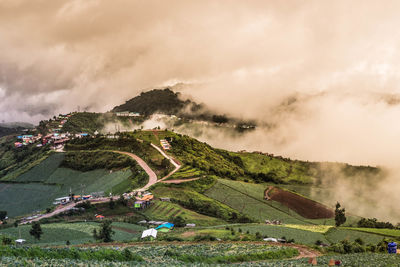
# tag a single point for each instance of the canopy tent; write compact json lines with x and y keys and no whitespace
{"x":150,"y":232}
{"x":166,"y":225}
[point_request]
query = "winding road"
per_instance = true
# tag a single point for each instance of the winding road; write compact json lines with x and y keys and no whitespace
{"x":152,"y":180}
{"x":145,"y":167}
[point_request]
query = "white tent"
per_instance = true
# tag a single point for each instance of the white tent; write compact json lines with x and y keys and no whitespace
{"x":20,"y":241}
{"x":149,"y":232}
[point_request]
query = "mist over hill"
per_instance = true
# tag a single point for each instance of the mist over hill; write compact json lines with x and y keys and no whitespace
{"x":168,"y":102}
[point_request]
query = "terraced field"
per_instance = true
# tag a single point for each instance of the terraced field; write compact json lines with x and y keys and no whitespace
{"x":248,"y":200}
{"x":186,"y":172}
{"x":165,"y":210}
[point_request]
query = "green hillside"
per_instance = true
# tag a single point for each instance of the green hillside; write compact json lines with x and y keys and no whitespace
{"x":126,"y":142}
{"x":37,"y":188}
{"x":166,"y":101}
{"x":14,"y":161}
{"x":161,"y":101}
{"x":90,"y":122}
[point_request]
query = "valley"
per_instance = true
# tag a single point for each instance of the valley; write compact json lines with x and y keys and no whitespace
{"x":243,"y":207}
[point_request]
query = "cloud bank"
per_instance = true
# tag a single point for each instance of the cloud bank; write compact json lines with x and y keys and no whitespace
{"x":320,"y":77}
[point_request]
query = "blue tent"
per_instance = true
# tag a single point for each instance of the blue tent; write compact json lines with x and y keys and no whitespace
{"x":166,"y":225}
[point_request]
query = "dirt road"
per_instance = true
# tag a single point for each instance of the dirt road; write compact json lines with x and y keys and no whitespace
{"x":179,"y":181}
{"x":145,"y":167}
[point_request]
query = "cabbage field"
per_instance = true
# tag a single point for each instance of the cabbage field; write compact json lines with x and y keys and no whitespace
{"x":171,"y":255}
{"x":38,"y":187}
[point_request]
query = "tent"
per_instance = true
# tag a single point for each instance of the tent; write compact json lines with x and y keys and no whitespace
{"x":163,"y":230}
{"x":166,"y":225}
{"x":20,"y":241}
{"x":149,"y":232}
{"x":100,"y":217}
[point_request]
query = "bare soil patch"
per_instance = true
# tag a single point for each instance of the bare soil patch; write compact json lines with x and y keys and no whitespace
{"x":307,"y":208}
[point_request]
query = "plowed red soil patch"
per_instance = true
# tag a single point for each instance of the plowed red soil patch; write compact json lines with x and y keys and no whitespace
{"x":305,"y":207}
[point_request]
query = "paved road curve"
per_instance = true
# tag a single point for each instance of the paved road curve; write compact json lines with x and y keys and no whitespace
{"x":145,"y":167}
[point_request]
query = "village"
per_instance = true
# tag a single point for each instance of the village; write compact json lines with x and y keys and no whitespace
{"x":56,"y":138}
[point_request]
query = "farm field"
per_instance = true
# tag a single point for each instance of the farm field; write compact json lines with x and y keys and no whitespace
{"x":76,"y":233}
{"x":384,"y":232}
{"x":165,"y":210}
{"x":44,"y":170}
{"x":174,"y":255}
{"x":359,"y":259}
{"x":43,"y":183}
{"x":335,"y":235}
{"x":186,"y":172}
{"x":365,"y":259}
{"x":249,"y":201}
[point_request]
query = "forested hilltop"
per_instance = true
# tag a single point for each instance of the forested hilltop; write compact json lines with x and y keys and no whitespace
{"x":166,"y":101}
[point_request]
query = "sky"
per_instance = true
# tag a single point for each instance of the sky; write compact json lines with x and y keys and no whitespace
{"x":320,"y":77}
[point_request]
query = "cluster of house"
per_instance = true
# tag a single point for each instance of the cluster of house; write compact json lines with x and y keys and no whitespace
{"x":127,"y":114}
{"x":24,"y":140}
{"x":165,"y":145}
{"x":55,"y":137}
{"x":68,"y":199}
{"x":143,"y":201}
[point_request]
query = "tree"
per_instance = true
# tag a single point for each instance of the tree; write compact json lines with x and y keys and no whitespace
{"x":3,"y":214}
{"x":36,"y":230}
{"x":123,"y":201}
{"x":6,"y":240}
{"x":178,"y":221}
{"x":340,"y":215}
{"x":105,"y":233}
{"x":165,"y":163}
{"x":111,"y":203}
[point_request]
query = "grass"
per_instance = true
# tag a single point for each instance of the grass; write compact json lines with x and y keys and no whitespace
{"x":384,"y":232}
{"x":275,"y":231}
{"x":287,"y":170}
{"x":76,"y":233}
{"x":164,"y":210}
{"x":128,"y":143}
{"x":335,"y":235}
{"x":186,"y":172}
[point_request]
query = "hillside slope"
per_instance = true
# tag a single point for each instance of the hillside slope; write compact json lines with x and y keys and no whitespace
{"x":157,"y":101}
